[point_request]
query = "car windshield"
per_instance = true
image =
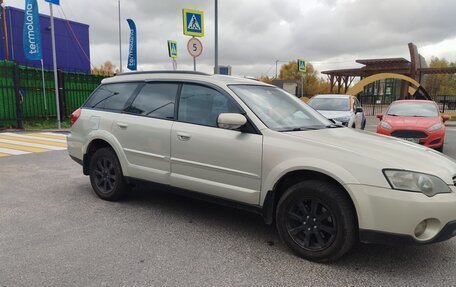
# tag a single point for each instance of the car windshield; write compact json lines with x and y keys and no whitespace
{"x":330,"y":104}
{"x":279,"y":110}
{"x":413,"y":109}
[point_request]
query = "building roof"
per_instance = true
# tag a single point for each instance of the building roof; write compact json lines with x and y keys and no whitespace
{"x":383,"y":62}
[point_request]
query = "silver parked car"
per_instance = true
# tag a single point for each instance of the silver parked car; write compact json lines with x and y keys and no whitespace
{"x":340,"y":108}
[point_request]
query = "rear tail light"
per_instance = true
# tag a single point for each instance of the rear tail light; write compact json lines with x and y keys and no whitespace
{"x":75,"y":116}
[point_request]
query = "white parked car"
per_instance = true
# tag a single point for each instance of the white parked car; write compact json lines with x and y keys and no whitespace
{"x":345,"y":109}
{"x":257,"y":147}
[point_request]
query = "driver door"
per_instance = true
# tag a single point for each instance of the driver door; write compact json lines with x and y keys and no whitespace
{"x":209,"y":159}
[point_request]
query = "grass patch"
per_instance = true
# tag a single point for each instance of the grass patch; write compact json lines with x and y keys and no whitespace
{"x":45,"y":124}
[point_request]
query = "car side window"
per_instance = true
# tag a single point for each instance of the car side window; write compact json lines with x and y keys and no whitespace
{"x":112,"y":97}
{"x":202,"y":105}
{"x":155,"y":100}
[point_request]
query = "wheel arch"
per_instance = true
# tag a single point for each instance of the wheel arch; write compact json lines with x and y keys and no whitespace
{"x":292,"y":177}
{"x":96,"y":142}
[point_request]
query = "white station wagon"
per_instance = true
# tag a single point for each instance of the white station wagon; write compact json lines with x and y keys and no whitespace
{"x":254,"y":146}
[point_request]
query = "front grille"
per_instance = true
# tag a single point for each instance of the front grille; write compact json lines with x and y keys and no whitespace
{"x":409,"y":134}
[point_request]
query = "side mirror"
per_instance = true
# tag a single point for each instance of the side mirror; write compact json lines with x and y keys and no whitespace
{"x":231,"y":121}
{"x":446,"y":118}
{"x":359,"y":110}
{"x":380,"y":116}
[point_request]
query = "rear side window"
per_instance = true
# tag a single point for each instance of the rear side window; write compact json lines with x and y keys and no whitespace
{"x":202,"y":105}
{"x":112,"y":97}
{"x":155,"y":100}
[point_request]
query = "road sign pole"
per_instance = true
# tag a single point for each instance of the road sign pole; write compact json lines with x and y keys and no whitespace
{"x":194,"y":64}
{"x":120,"y":40}
{"x":54,"y":59}
{"x":216,"y":64}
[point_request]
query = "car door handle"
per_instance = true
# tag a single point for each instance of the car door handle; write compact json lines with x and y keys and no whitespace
{"x":122,"y":125}
{"x":183,"y":137}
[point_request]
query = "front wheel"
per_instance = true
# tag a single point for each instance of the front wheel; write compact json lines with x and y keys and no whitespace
{"x":106,"y":175}
{"x":316,"y":220}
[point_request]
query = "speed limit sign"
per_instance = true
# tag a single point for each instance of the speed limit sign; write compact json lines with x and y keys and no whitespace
{"x":194,"y":47}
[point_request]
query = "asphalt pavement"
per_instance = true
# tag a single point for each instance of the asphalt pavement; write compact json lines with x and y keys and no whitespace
{"x":54,"y":231}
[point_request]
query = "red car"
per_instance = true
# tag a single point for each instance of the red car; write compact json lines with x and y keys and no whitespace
{"x":418,"y":121}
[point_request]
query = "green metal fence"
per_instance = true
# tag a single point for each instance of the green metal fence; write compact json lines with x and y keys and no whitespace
{"x":23,"y":97}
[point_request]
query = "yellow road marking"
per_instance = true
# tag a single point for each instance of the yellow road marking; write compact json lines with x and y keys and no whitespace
{"x":3,"y":154}
{"x":22,"y":147}
{"x":46,"y":136}
{"x":33,"y":141}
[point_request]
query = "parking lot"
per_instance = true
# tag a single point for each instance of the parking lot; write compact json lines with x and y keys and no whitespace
{"x":54,"y":231}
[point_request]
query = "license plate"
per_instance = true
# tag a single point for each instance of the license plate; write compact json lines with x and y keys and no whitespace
{"x":413,"y":140}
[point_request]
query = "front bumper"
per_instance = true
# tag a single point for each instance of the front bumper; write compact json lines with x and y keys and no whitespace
{"x":432,"y":139}
{"x":380,"y":237}
{"x":391,"y":216}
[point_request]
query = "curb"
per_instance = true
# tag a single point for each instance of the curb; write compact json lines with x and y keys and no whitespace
{"x":62,"y":131}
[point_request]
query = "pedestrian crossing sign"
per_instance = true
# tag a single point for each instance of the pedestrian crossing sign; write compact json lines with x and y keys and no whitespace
{"x":302,"y":67}
{"x":172,"y":49}
{"x":193,"y":22}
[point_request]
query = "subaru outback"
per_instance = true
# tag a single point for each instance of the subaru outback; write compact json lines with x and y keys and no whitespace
{"x":252,"y":145}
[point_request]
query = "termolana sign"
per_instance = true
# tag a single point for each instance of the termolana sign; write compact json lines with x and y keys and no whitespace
{"x":31,"y":31}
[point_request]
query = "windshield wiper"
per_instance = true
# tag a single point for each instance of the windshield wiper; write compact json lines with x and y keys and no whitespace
{"x":300,"y":129}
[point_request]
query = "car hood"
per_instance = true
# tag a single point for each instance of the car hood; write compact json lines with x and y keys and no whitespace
{"x":381,"y":151}
{"x":334,"y":114}
{"x":398,"y":122}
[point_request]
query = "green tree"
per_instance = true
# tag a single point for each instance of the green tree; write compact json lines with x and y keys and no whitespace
{"x":440,"y":84}
{"x":313,"y":84}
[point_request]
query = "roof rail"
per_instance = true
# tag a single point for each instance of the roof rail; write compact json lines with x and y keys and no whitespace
{"x":162,"y":72}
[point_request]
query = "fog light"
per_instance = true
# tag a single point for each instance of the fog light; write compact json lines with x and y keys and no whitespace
{"x":420,"y":228}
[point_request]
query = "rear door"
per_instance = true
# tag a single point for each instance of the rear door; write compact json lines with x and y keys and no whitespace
{"x":212,"y":160}
{"x":144,"y":129}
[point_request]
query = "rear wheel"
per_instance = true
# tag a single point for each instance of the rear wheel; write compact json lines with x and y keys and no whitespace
{"x":316,"y":220}
{"x":106,"y":175}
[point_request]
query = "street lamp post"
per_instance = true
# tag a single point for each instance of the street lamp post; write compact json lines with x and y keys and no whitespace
{"x":120,"y":40}
{"x":216,"y":65}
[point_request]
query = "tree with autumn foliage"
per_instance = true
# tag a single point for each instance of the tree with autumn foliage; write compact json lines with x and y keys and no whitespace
{"x":440,"y":84}
{"x":107,"y":69}
{"x":313,"y":84}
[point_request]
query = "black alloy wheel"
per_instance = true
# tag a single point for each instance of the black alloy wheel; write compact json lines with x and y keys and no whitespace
{"x":106,"y":175}
{"x":311,"y":224}
{"x":317,"y":220}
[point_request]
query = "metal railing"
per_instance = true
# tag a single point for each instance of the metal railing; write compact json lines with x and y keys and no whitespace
{"x":22,"y":96}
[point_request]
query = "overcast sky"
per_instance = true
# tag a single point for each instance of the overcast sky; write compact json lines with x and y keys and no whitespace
{"x":253,"y":34}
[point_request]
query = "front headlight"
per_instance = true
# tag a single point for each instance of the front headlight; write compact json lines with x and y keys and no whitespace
{"x":385,"y":125}
{"x":416,"y":182}
{"x":435,"y":127}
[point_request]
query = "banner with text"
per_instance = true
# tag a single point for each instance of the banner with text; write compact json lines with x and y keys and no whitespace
{"x":132,"y":54}
{"x":31,"y":32}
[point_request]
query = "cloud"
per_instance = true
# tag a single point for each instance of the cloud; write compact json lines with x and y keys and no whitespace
{"x":253,"y":34}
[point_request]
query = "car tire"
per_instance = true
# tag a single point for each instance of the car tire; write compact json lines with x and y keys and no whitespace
{"x":440,"y":149}
{"x":317,"y":221}
{"x":363,"y":124}
{"x":106,"y":175}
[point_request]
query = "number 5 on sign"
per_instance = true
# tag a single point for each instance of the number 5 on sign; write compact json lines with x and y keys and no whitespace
{"x":194,"y":47}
